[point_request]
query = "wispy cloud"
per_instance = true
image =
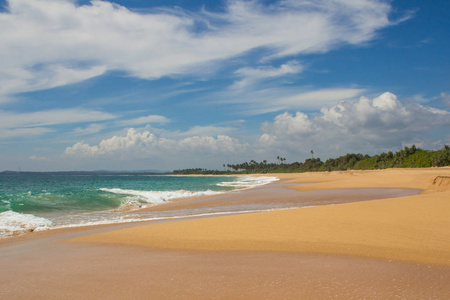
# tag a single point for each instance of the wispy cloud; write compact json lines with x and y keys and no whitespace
{"x":67,"y":43}
{"x":446,"y":99}
{"x":143,"y":120}
{"x":36,"y":123}
{"x":251,"y":75}
{"x":6,"y":133}
{"x":38,"y":158}
{"x":202,"y":131}
{"x":52,"y":117}
{"x":260,"y":101}
{"x":91,"y":129}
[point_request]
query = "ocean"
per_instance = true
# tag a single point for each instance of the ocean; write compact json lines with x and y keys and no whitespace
{"x":34,"y":202}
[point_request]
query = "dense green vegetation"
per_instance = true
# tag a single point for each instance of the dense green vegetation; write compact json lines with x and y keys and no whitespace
{"x":411,"y":157}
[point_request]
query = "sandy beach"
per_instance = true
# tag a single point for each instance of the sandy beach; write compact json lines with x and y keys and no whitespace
{"x":355,"y":234}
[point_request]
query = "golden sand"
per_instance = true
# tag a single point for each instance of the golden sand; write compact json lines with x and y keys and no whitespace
{"x":413,"y":228}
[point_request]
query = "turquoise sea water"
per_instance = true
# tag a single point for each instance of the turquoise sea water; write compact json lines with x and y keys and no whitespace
{"x":45,"y":201}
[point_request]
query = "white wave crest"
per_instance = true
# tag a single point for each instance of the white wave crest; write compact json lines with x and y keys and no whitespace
{"x":246,"y":182}
{"x":158,"y":197}
{"x":12,"y":223}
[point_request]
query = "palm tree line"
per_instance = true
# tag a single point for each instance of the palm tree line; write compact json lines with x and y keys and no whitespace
{"x":408,"y":157}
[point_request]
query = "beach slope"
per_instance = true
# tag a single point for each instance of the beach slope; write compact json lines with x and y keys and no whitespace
{"x":412,"y":229}
{"x":391,"y":248}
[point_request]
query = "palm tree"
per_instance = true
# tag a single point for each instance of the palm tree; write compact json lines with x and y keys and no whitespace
{"x":312,"y":154}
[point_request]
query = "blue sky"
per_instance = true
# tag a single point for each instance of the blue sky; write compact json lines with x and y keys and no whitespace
{"x":88,"y":85}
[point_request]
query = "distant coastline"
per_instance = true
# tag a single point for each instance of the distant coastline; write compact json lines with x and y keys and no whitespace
{"x":101,"y":172}
{"x":408,"y":157}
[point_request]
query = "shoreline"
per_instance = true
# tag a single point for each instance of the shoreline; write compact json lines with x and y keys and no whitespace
{"x":376,"y":248}
{"x":240,"y":201}
{"x":411,"y":228}
{"x":131,"y":210}
{"x":288,"y":187}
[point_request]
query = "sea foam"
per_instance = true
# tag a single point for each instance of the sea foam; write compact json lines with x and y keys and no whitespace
{"x":12,"y":223}
{"x":246,"y":182}
{"x":158,"y":197}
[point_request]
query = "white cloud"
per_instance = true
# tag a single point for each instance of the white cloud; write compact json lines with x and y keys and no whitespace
{"x":143,"y":120}
{"x":51,"y":117}
{"x":49,"y":76}
{"x":446,"y":98}
{"x":38,"y":158}
{"x":367,"y":126}
{"x":23,"y":132}
{"x":278,"y":99}
{"x":13,"y":125}
{"x":145,"y":144}
{"x":313,"y":99}
{"x":92,"y":128}
{"x":252,"y":75}
{"x":202,"y":131}
{"x":420,"y":99}
{"x":49,"y":43}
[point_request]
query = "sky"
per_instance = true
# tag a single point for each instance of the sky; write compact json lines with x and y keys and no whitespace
{"x":171,"y":84}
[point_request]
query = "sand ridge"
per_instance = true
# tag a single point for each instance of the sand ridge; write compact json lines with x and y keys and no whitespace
{"x":412,"y":229}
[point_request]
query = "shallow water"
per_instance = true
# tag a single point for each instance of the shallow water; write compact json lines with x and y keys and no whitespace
{"x":38,"y":202}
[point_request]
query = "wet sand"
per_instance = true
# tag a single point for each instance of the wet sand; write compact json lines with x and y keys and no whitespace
{"x":374,"y":249}
{"x":72,"y":271}
{"x":282,"y":194}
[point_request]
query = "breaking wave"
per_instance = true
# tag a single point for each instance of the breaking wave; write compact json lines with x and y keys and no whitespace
{"x":82,"y":202}
{"x":157,"y":197}
{"x":12,"y":223}
{"x":246,"y":182}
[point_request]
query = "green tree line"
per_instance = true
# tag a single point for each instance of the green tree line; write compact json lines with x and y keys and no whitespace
{"x":408,"y":157}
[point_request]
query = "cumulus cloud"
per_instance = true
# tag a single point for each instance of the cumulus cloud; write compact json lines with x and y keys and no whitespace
{"x":145,"y":144}
{"x":49,"y":43}
{"x":368,"y":125}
